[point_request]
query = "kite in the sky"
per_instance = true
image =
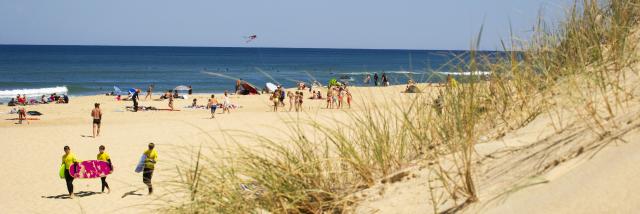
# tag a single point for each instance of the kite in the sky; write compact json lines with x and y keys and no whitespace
{"x":250,"y":38}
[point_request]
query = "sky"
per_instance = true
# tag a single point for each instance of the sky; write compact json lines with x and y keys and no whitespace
{"x":371,"y":24}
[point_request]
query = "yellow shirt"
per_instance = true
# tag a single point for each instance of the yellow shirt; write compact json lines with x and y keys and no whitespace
{"x":454,"y":83}
{"x":103,"y":156}
{"x":151,"y":155}
{"x":68,"y":160}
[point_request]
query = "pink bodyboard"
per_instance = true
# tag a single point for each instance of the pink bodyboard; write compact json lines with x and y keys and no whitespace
{"x":90,"y":169}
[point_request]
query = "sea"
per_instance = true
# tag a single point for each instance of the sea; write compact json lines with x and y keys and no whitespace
{"x":89,"y":70}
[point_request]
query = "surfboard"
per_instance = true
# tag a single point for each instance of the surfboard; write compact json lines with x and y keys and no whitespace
{"x":90,"y":169}
{"x":61,"y":171}
{"x":140,"y":165}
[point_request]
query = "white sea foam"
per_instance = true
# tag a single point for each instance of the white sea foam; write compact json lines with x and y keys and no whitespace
{"x":467,"y":73}
{"x":31,"y":92}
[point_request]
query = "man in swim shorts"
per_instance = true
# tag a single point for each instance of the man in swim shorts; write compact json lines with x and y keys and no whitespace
{"x":96,"y":114}
{"x":213,"y":105}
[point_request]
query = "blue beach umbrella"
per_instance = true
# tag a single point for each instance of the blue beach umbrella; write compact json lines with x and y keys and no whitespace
{"x":117,"y":90}
{"x":132,"y":90}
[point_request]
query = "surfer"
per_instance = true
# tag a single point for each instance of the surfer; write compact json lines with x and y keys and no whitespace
{"x":68,"y":159}
{"x":96,"y":113}
{"x":149,"y":166}
{"x":104,"y":156}
{"x":135,"y":98}
{"x":213,"y":105}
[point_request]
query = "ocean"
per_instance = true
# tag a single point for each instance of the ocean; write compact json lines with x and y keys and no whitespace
{"x":90,"y":70}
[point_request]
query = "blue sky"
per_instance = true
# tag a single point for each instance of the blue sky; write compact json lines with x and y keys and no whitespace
{"x":398,"y":24}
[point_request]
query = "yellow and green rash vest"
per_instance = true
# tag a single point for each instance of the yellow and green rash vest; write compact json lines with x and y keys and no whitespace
{"x":103,"y":156}
{"x":69,"y":159}
{"x":151,"y":155}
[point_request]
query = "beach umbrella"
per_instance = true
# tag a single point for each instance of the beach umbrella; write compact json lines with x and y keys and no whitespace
{"x":181,"y":88}
{"x":132,"y":90}
{"x":117,"y":90}
{"x":271,"y":86}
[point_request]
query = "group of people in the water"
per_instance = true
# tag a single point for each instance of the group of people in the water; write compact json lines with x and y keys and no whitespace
{"x":69,"y":160}
{"x":383,"y":80}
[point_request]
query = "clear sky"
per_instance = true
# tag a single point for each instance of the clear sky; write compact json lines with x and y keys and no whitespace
{"x":387,"y":24}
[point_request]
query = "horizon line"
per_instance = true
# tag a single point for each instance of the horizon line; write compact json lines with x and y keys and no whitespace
{"x":268,"y":47}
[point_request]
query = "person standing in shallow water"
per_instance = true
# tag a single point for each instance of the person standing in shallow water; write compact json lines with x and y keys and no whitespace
{"x":104,"y":156}
{"x":149,"y":166}
{"x":96,"y":113}
{"x":375,"y":79}
{"x":68,"y":159}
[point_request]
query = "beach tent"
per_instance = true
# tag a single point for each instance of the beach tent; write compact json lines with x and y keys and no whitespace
{"x":248,"y":88}
{"x":181,"y":88}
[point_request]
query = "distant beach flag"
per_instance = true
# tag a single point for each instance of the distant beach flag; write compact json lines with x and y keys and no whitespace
{"x":251,"y":38}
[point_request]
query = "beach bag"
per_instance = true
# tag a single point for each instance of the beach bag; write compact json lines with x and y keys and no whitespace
{"x":61,"y":171}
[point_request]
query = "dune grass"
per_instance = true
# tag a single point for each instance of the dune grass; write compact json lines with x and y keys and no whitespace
{"x":584,"y":61}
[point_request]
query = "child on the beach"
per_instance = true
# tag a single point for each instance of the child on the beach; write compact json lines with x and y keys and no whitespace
{"x":104,"y":156}
{"x":329,"y":97}
{"x":149,"y":166}
{"x":68,"y":159}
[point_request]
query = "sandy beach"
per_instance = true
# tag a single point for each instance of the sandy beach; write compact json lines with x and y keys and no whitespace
{"x":34,"y":150}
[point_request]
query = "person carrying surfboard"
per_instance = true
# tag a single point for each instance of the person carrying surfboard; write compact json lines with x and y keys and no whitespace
{"x":96,"y":113}
{"x":104,"y":156}
{"x":68,"y":159}
{"x":149,"y":166}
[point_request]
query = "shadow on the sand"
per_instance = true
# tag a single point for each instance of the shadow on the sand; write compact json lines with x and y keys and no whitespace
{"x":133,"y":192}
{"x":80,"y":194}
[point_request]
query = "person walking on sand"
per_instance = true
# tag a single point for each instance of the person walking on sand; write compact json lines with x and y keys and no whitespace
{"x":22,"y":115}
{"x":226,"y":104}
{"x":149,"y":92}
{"x":135,"y":98}
{"x":329,"y":97}
{"x":213,"y":105}
{"x":275,"y":97}
{"x":104,"y":156}
{"x":170,"y":103}
{"x":68,"y":159}
{"x":238,"y":82}
{"x":96,"y":114}
{"x":149,"y":166}
{"x":348,"y":98}
{"x":291,"y":98}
